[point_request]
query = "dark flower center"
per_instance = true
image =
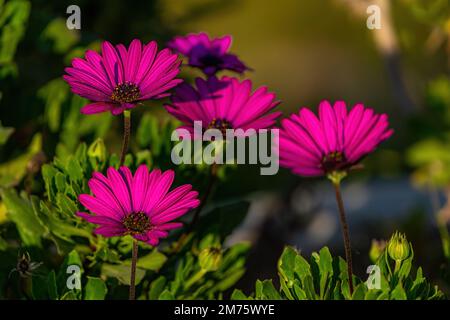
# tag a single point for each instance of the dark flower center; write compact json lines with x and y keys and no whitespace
{"x":220,"y":124}
{"x":136,"y":223}
{"x":210,"y":60}
{"x":23,"y":265}
{"x":334,"y":161}
{"x":125,"y":92}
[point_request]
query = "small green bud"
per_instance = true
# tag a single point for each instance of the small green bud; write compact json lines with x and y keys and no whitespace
{"x":210,"y":259}
{"x":398,"y":247}
{"x":376,"y":249}
{"x":97,"y":153}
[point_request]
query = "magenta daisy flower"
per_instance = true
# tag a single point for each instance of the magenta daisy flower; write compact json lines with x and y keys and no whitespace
{"x":118,"y":79}
{"x":223,"y":104}
{"x":334,"y":142}
{"x":139,"y":205}
{"x":210,"y":55}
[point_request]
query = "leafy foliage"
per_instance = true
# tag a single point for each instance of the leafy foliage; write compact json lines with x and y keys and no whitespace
{"x":324,"y":277}
{"x":174,"y":272}
{"x":38,"y":201}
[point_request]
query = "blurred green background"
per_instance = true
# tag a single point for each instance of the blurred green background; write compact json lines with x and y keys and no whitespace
{"x":304,"y":51}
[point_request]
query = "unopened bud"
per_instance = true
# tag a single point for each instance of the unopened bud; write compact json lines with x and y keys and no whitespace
{"x":398,"y":247}
{"x":97,"y":152}
{"x":376,"y":249}
{"x":210,"y":259}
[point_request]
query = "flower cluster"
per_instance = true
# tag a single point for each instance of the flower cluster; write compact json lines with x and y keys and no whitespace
{"x":141,"y":205}
{"x":120,"y":78}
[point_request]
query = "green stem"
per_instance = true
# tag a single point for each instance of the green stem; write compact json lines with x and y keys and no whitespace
{"x":126,"y":135}
{"x":133,"y":270}
{"x":197,"y":276}
{"x":398,"y":263}
{"x":345,"y":234}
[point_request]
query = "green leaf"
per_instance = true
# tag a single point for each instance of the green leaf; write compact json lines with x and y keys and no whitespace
{"x":157,"y":287}
{"x":325,"y":261}
{"x":63,"y":229}
{"x":359,"y":292}
{"x":5,"y":133}
{"x":152,"y":261}
{"x":21,"y":212}
{"x":325,"y":264}
{"x":302,"y":267}
{"x":166,"y":295}
{"x":285,"y":289}
{"x":72,"y":259}
{"x":372,"y":294}
{"x":48,"y":174}
{"x":266,"y":291}
{"x":121,"y":272}
{"x":144,"y":131}
{"x":74,"y":170}
{"x":406,"y":265}
{"x":238,"y":295}
{"x":59,"y":36}
{"x":40,"y":288}
{"x":66,"y":205}
{"x":308,"y":287}
{"x":95,"y":289}
{"x":14,"y":170}
{"x":299,"y":293}
{"x":13,"y":18}
{"x":3,"y":244}
{"x":54,"y":93}
{"x":228,"y":281}
{"x":52,"y":287}
{"x":70,"y":295}
{"x":287,"y":265}
{"x":398,"y":293}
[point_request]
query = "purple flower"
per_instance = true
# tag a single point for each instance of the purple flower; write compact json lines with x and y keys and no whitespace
{"x":210,"y":55}
{"x":224,"y":104}
{"x":118,"y":79}
{"x":139,"y":205}
{"x":333,"y":142}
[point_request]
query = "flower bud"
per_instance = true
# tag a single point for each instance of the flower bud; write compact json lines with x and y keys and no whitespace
{"x":398,"y":247}
{"x":376,"y":249}
{"x":210,"y":259}
{"x":97,"y":153}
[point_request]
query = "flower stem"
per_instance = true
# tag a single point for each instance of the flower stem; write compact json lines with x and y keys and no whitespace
{"x":345,"y":234}
{"x":204,"y":199}
{"x":134,"y":259}
{"x":126,"y":135}
{"x":398,"y":264}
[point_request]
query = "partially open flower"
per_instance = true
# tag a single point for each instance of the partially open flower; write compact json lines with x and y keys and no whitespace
{"x":118,"y":79}
{"x":210,"y":55}
{"x":139,"y":205}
